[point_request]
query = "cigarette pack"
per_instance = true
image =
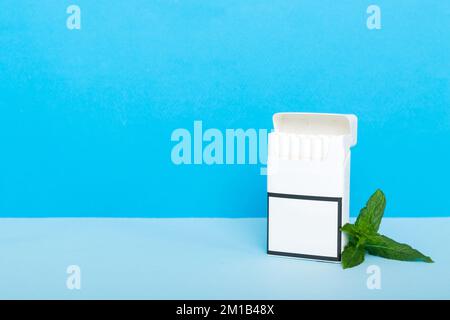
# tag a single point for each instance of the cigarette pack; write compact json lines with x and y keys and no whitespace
{"x":308,"y":184}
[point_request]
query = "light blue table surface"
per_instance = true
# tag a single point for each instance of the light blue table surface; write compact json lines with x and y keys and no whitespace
{"x":202,"y":259}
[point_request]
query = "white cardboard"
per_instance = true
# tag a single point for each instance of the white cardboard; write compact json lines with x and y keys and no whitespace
{"x":308,"y":184}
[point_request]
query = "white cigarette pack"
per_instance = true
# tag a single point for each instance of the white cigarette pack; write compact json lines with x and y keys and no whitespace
{"x":308,"y":184}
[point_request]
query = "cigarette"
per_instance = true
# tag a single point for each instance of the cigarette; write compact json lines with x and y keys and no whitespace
{"x":274,"y":145}
{"x":325,"y":146}
{"x":316,"y":148}
{"x":284,"y":146}
{"x":305,"y":147}
{"x":295,"y":147}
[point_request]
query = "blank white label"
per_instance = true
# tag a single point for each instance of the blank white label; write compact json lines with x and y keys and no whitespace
{"x":308,"y":227}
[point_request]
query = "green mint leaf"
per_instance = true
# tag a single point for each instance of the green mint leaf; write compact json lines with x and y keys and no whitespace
{"x":369,"y":218}
{"x":351,"y":230}
{"x":363,"y":237}
{"x":355,"y":235}
{"x":352,"y":255}
{"x":352,"y":233}
{"x":382,"y":246}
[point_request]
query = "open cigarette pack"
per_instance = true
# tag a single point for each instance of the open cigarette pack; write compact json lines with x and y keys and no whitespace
{"x":308,"y":184}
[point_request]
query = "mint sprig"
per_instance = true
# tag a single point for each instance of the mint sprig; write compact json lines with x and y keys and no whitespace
{"x":364,"y":237}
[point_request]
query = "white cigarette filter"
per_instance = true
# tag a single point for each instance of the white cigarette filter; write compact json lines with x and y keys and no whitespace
{"x":305,"y":147}
{"x":308,"y":184}
{"x":295,"y":146}
{"x":285,"y":146}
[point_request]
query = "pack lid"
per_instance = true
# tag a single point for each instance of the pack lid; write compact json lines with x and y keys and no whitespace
{"x":317,"y":123}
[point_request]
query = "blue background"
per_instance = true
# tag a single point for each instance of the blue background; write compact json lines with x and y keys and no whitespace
{"x":86,"y":115}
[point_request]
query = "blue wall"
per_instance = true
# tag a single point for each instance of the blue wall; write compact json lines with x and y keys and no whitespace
{"x":86,"y":115}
